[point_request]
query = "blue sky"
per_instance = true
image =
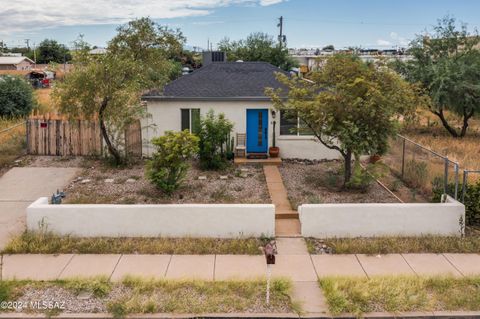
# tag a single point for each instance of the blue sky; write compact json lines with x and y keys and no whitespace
{"x":307,"y":23}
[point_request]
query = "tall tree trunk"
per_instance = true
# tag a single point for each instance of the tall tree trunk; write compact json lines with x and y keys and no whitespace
{"x":101,"y":117}
{"x":347,"y":157}
{"x":466,"y":117}
{"x":450,"y":129}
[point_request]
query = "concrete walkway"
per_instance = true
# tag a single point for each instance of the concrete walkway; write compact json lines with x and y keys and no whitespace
{"x":297,"y":267}
{"x":286,"y":219}
{"x":303,"y":269}
{"x":22,"y":185}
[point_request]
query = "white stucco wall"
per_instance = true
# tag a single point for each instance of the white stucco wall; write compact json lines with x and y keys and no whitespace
{"x":166,"y":115}
{"x":175,"y":220}
{"x":370,"y":220}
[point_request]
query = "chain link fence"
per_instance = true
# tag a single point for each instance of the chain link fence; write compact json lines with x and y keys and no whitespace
{"x":426,"y":172}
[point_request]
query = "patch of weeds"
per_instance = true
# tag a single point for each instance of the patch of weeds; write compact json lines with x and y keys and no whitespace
{"x":100,"y":286}
{"x":416,"y":173}
{"x":314,"y":199}
{"x":90,"y":199}
{"x":395,"y":185}
{"x":199,"y":296}
{"x":396,"y":245}
{"x":5,"y":291}
{"x":129,"y":200}
{"x":117,"y":308}
{"x":401,"y":294}
{"x":221,"y":195}
{"x":49,"y":243}
{"x":135,"y":177}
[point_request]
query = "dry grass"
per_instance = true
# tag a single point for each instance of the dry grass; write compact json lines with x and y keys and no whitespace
{"x":391,"y":245}
{"x":401,"y":294}
{"x":201,"y":297}
{"x":44,"y":100}
{"x":430,"y":132}
{"x":49,"y":243}
{"x":12,"y":142}
{"x":135,"y":295}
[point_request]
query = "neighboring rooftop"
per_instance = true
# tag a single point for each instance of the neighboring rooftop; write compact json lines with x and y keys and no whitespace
{"x":230,"y":80}
{"x":13,"y":59}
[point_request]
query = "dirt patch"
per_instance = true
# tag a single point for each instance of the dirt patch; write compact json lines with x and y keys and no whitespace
{"x":102,"y":184}
{"x":54,"y":161}
{"x":318,"y":182}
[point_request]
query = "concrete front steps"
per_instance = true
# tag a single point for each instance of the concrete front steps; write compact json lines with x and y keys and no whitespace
{"x":287,"y":227}
{"x":287,"y":223}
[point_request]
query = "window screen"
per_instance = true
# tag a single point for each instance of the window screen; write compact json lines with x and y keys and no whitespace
{"x":288,"y":124}
{"x":195,"y":121}
{"x":185,"y":119}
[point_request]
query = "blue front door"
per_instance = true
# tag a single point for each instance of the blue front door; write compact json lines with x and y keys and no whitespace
{"x":257,"y":131}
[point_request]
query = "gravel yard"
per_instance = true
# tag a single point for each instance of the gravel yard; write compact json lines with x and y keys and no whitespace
{"x":134,"y":295}
{"x":320,"y":182}
{"x":99,"y":183}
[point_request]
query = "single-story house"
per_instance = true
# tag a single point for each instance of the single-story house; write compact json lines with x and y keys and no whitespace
{"x":237,"y":90}
{"x":15,"y":63}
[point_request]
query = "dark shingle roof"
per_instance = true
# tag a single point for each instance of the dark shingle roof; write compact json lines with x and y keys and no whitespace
{"x":223,"y":80}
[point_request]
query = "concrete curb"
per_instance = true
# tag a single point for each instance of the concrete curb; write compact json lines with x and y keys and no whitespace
{"x":373,"y":315}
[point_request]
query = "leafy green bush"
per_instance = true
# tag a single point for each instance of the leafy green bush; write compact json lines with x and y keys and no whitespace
{"x":169,"y":163}
{"x":16,"y":96}
{"x":214,"y":136}
{"x":471,"y":202}
{"x":5,"y":291}
{"x":361,"y":179}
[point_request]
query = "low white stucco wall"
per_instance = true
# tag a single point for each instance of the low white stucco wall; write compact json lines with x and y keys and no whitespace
{"x":370,"y":220}
{"x":175,"y":220}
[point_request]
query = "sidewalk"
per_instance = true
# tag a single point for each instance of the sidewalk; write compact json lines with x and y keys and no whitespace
{"x":292,"y":262}
{"x":297,"y":267}
{"x":19,"y":187}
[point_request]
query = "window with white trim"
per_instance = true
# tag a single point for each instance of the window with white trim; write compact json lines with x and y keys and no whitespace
{"x":190,"y":120}
{"x":293,"y":126}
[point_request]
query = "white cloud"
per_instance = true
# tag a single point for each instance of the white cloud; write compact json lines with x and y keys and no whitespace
{"x":395,"y":40}
{"x":26,"y":15}
{"x":382,"y":42}
{"x":269,"y":2}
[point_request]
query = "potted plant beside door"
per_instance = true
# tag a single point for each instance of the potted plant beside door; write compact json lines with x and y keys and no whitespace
{"x":273,"y":150}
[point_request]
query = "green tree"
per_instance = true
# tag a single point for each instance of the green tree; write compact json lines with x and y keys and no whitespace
{"x":158,"y":48}
{"x":110,"y":85}
{"x":447,"y":64}
{"x":257,"y":47}
{"x":169,"y":164}
{"x":214,"y":135}
{"x":16,"y":96}
{"x":329,"y":47}
{"x":51,"y":51}
{"x":348,"y":105}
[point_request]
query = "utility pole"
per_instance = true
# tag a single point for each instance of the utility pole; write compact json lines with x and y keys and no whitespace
{"x":281,"y":37}
{"x":27,"y":41}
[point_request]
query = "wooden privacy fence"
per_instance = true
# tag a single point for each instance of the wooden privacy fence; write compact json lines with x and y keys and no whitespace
{"x":56,"y":135}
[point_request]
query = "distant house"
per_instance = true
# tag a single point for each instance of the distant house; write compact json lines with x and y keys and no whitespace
{"x":15,"y":63}
{"x":237,"y":90}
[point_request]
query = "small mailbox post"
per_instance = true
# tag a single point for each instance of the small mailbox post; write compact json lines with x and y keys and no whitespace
{"x":270,"y":250}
